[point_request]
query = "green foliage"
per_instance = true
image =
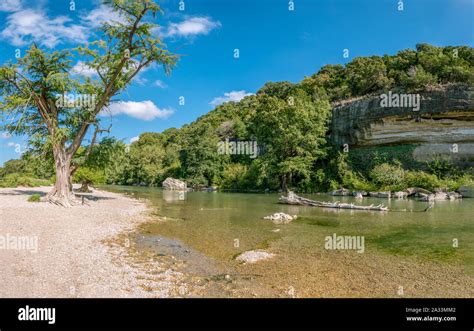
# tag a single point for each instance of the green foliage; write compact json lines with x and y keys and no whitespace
{"x":289,"y":122}
{"x":30,"y":88}
{"x":421,"y":179}
{"x":439,"y":167}
{"x":388,"y":176}
{"x":34,"y":198}
{"x":20,"y":179}
{"x":364,"y":159}
{"x":408,"y":70}
{"x":235,"y":176}
{"x":89,"y":176}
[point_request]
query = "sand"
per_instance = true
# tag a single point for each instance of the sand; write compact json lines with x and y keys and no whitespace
{"x":49,"y":252}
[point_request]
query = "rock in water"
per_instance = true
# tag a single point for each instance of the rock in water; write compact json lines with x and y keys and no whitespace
{"x":454,"y":195}
{"x":401,"y":195}
{"x":380,"y":194}
{"x":341,"y":192}
{"x":280,"y":218}
{"x":467,"y":191}
{"x":254,"y":256}
{"x":358,"y":195}
{"x":174,"y":184}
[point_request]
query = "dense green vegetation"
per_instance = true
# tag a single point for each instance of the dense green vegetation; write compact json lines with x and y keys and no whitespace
{"x":290,"y":124}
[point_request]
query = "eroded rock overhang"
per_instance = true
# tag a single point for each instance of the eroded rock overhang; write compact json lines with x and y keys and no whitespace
{"x":444,"y":122}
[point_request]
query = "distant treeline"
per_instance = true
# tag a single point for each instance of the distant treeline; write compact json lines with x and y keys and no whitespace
{"x":289,"y":123}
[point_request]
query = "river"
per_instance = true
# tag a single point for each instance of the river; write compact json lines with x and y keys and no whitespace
{"x":411,"y":254}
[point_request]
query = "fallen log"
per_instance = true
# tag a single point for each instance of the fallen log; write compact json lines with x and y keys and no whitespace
{"x":293,"y":199}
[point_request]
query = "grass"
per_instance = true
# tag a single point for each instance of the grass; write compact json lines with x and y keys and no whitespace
{"x":35,"y":198}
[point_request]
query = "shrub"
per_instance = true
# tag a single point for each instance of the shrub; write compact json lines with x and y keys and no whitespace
{"x":15,"y":180}
{"x":88,"y":176}
{"x":421,"y":179}
{"x":388,"y":176}
{"x":35,"y":198}
{"x":233,"y":176}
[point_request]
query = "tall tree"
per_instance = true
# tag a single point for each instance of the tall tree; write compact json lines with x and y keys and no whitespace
{"x":30,"y":88}
{"x":293,"y":133}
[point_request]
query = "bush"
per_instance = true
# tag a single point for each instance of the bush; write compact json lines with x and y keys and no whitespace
{"x":15,"y":180}
{"x":35,"y":198}
{"x":87,"y":176}
{"x":234,"y":176}
{"x":421,"y":179}
{"x":388,"y":176}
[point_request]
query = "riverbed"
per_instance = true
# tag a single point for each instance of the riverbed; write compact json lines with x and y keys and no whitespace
{"x":406,"y":253}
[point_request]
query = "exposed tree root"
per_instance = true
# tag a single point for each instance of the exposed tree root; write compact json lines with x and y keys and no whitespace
{"x":66,"y":200}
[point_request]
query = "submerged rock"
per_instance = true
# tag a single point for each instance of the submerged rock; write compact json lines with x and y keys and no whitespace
{"x":254,"y":256}
{"x":280,"y":218}
{"x":174,"y":184}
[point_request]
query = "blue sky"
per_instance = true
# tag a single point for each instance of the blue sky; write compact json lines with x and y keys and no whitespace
{"x":275,"y":44}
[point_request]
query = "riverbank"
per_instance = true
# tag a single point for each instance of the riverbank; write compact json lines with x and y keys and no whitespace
{"x":48,"y":251}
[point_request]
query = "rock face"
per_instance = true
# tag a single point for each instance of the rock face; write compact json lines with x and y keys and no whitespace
{"x":254,"y":256}
{"x":445,"y":117}
{"x":174,"y":184}
{"x":280,"y":218}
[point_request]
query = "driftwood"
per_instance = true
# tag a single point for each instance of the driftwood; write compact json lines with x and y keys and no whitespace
{"x":293,"y":199}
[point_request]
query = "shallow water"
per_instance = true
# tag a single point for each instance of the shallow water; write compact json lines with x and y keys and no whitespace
{"x":222,"y":225}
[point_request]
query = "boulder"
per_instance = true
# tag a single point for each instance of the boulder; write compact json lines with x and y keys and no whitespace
{"x":174,"y":184}
{"x":341,"y":192}
{"x":425,"y":197}
{"x":454,"y":196}
{"x":401,"y":195}
{"x":386,"y":194}
{"x":254,"y":256}
{"x":467,"y":191}
{"x":358,"y":195}
{"x":280,"y":218}
{"x":438,"y":196}
{"x":416,"y":191}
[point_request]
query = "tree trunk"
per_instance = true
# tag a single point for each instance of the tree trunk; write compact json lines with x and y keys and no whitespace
{"x":62,"y":194}
{"x":283,"y":183}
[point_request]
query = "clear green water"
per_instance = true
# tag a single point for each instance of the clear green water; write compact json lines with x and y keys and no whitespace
{"x":223,"y":225}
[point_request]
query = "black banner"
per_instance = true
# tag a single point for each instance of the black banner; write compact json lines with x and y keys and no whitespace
{"x":291,"y":314}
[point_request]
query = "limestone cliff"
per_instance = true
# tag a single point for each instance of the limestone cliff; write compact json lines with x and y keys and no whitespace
{"x":445,"y":117}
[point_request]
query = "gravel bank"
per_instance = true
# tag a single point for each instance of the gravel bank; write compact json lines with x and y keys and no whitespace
{"x":48,"y":251}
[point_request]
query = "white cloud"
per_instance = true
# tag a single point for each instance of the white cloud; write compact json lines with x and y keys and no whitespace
{"x":5,"y":135}
{"x":102,"y":14}
{"x":134,"y":139}
{"x":190,"y":27}
{"x":144,"y":110}
{"x":11,"y":144}
{"x":80,"y":68}
{"x":230,"y":96}
{"x":29,"y":25}
{"x":160,"y":84}
{"x":10,"y":5}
